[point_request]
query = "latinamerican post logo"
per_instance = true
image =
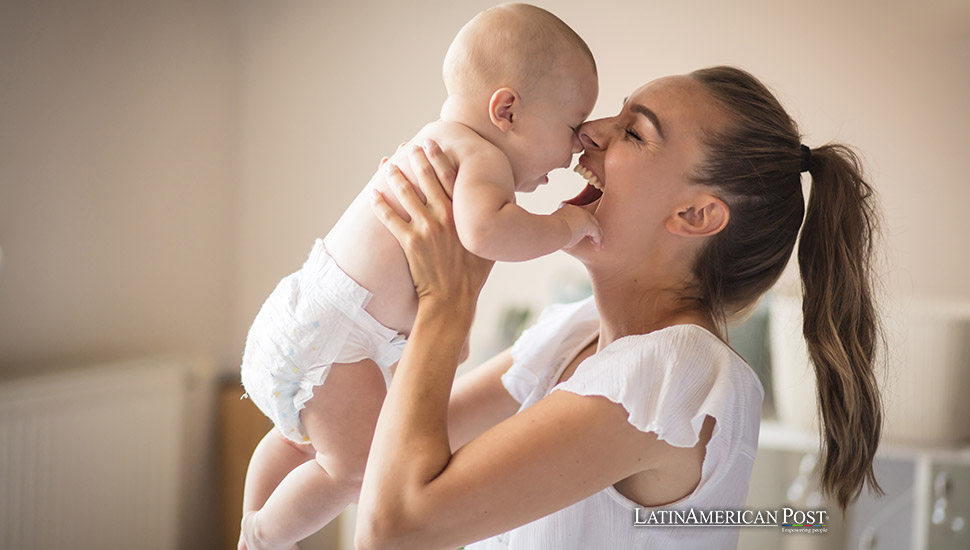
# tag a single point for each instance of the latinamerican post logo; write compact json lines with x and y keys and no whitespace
{"x":788,"y":520}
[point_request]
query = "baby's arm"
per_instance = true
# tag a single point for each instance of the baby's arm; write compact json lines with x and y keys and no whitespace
{"x":492,"y":226}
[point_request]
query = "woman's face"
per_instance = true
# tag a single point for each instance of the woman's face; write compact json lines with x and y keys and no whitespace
{"x":641,"y":161}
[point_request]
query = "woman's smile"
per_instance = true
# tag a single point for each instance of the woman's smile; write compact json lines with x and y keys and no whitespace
{"x":594,"y":186}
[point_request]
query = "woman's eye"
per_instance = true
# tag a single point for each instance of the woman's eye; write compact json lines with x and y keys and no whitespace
{"x":632,"y":134}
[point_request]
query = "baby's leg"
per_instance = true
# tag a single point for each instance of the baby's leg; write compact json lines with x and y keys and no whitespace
{"x":274,"y":458}
{"x":340,"y":420}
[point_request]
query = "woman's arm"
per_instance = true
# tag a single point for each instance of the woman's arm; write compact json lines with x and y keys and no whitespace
{"x":479,"y":400}
{"x":417,"y":493}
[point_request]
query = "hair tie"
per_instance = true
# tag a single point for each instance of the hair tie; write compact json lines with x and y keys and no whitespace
{"x":806,"y":158}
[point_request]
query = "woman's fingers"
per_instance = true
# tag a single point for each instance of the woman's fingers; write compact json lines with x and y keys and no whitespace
{"x":403,"y":190}
{"x":440,"y":266}
{"x":444,"y":166}
{"x":399,"y":147}
{"x":394,"y":223}
{"x":434,"y":170}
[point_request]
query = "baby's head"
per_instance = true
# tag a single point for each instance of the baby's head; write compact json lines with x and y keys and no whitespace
{"x":535,"y":76}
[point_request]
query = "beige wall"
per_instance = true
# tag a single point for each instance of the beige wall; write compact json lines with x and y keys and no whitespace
{"x":164,"y":164}
{"x":116,"y":179}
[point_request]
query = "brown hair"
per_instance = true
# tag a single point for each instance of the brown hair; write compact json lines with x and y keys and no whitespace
{"x":755,"y":164}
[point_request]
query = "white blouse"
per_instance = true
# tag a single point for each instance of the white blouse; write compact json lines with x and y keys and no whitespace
{"x":668,"y":381}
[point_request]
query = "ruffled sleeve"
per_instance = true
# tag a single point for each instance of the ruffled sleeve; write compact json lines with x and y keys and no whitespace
{"x":669,"y":380}
{"x":538,"y":352}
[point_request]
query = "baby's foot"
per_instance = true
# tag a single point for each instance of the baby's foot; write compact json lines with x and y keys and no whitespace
{"x":247,"y":532}
{"x":248,"y":540}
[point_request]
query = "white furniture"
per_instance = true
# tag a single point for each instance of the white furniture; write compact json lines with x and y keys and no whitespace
{"x":927,"y":501}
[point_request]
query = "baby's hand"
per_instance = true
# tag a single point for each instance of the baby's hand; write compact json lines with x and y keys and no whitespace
{"x":581,"y":224}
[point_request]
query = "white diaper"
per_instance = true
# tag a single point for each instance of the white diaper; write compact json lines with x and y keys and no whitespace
{"x":313,"y":319}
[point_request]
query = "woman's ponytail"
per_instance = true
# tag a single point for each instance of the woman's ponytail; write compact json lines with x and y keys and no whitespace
{"x":754,"y":163}
{"x":841,"y":326}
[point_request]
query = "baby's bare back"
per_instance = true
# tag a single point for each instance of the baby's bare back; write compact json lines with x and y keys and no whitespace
{"x":367,"y":251}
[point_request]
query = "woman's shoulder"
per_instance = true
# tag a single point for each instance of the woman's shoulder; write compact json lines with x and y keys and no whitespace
{"x":678,"y":349}
{"x":669,"y":379}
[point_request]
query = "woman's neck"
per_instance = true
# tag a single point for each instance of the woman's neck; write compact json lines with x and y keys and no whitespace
{"x":632,"y":305}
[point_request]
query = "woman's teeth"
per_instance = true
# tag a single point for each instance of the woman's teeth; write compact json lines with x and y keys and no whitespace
{"x":589,"y":176}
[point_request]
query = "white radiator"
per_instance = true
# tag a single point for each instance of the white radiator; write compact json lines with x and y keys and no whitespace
{"x":90,"y":458}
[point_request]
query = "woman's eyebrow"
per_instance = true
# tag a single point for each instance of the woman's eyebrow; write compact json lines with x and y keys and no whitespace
{"x":651,"y":116}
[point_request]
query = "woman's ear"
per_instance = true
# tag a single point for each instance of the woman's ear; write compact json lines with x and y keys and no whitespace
{"x":503,"y":108}
{"x":706,"y":215}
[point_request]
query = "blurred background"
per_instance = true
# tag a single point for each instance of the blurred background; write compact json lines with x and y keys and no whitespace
{"x":164,"y":164}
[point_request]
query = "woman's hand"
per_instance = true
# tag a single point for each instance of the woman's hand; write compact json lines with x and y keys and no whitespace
{"x":443,"y":271}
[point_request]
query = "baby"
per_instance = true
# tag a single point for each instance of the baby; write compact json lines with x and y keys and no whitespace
{"x":319,"y":355}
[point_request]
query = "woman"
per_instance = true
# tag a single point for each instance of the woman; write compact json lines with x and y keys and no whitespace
{"x":700,"y":208}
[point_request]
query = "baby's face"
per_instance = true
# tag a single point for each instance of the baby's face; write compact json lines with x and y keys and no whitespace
{"x":546,"y":133}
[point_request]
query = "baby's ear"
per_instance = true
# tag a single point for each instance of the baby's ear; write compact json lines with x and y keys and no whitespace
{"x":503,"y":108}
{"x":706,"y":215}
